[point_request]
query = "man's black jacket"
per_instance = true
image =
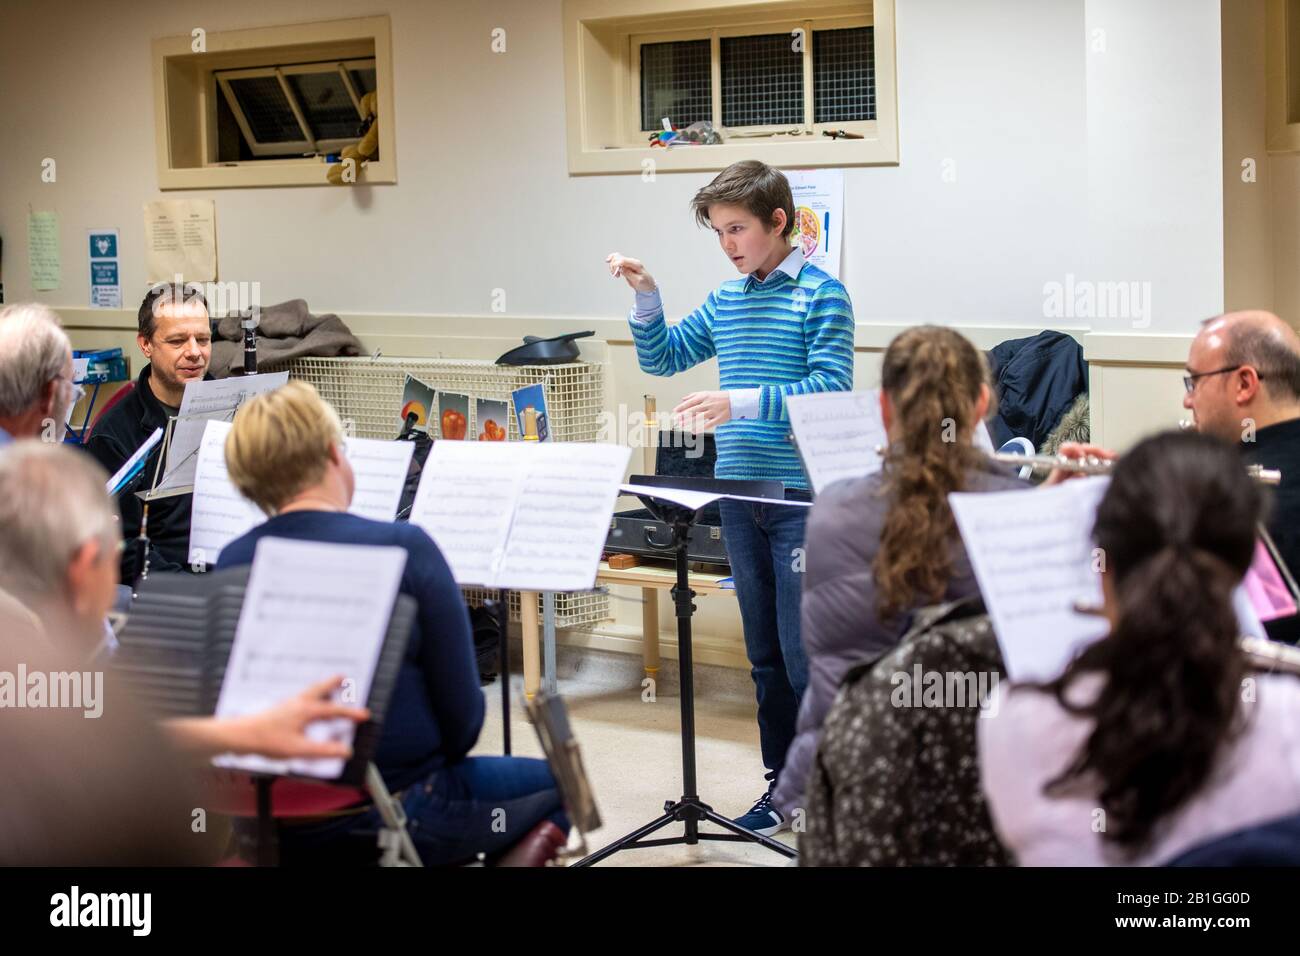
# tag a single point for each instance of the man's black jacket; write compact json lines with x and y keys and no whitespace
{"x":113,"y":440}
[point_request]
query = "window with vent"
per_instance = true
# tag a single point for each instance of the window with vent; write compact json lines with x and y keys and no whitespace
{"x":803,"y":77}
{"x":773,"y":78}
{"x":272,"y":105}
{"x":293,"y":109}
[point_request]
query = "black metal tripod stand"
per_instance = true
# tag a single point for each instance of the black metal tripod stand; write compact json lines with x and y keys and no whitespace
{"x":690,"y":809}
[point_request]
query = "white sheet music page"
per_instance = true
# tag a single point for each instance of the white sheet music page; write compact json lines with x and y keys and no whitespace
{"x":217,"y":400}
{"x":220,"y":514}
{"x":561,"y":517}
{"x":1032,"y":553}
{"x":838,"y":433}
{"x":380,"y":469}
{"x":311,"y":611}
{"x":464,"y":501}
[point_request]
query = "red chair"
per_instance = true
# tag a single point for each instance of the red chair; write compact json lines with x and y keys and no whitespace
{"x":120,"y":394}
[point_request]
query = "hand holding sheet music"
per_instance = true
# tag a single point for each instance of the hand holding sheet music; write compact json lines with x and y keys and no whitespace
{"x":311,"y":610}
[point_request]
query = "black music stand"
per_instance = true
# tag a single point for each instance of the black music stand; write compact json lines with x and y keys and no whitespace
{"x":690,"y":808}
{"x":173,"y":654}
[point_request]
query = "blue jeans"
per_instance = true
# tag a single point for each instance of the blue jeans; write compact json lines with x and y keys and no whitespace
{"x":761,"y":544}
{"x":477,"y":805}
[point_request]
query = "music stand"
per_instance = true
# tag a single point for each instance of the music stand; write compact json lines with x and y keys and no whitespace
{"x":173,"y":654}
{"x":690,"y":808}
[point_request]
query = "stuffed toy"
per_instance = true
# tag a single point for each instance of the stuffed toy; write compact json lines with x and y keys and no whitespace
{"x":366,"y":148}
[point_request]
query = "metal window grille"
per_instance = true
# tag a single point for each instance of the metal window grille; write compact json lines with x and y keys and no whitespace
{"x":762,"y":81}
{"x":677,"y":82}
{"x":844,"y":75}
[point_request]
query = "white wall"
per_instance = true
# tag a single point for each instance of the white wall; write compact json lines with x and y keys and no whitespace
{"x":1002,"y":88}
{"x":1155,"y":192}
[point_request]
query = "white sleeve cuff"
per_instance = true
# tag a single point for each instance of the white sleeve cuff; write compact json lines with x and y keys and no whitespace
{"x":744,"y":402}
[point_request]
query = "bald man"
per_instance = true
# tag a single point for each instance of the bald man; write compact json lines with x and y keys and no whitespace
{"x":1243,"y":385}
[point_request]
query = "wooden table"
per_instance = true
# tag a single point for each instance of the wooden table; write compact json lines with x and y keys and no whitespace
{"x":651,"y":578}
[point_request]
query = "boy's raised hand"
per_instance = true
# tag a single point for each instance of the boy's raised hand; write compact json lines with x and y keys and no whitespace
{"x":630,"y":269}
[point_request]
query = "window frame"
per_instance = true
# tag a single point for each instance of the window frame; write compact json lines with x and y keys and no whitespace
{"x":603,"y":79}
{"x":186,"y":89}
{"x":636,"y":135}
{"x":282,"y":72}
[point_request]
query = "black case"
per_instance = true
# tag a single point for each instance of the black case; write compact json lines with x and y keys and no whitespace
{"x":627,"y":529}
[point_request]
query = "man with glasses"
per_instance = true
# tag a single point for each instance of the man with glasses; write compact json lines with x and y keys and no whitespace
{"x":175,"y":336}
{"x":1243,"y":386}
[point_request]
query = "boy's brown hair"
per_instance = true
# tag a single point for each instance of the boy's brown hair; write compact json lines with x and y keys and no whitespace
{"x":755,"y":187}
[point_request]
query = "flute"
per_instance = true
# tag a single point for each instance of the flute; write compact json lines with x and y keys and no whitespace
{"x":1260,"y":654}
{"x":1092,"y":465}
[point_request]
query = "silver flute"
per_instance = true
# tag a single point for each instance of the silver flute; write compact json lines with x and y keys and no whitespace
{"x":1260,"y":654}
{"x":1265,"y":655}
{"x":1093,"y":465}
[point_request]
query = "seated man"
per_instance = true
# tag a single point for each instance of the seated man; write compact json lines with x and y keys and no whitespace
{"x":58,"y":577}
{"x":175,"y":337}
{"x":36,"y":389}
{"x":1243,"y":386}
{"x":285,"y":454}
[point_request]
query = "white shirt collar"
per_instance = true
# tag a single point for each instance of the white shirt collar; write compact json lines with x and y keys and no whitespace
{"x":791,"y":264}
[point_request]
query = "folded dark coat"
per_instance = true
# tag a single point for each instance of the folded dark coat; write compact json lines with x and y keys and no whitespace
{"x":285,"y":332}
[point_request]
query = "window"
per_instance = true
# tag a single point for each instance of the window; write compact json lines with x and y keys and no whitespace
{"x":294,"y":110}
{"x":771,"y":77}
{"x":266,"y":106}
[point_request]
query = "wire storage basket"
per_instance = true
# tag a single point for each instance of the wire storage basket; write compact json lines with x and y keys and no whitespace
{"x":367,"y":394}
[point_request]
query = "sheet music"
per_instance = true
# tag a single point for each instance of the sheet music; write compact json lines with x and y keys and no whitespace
{"x":529,"y":516}
{"x":464,"y":499}
{"x":380,"y":468}
{"x":217,"y":400}
{"x":311,"y":611}
{"x":1032,"y":555}
{"x":837,"y":433}
{"x":561,"y":520}
{"x":220,"y":514}
{"x":128,"y":466}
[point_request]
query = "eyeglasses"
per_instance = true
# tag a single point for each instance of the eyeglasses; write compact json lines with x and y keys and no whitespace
{"x":78,"y":393}
{"x":1189,"y":381}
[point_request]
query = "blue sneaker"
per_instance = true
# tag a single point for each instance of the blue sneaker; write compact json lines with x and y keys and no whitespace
{"x":763,"y":817}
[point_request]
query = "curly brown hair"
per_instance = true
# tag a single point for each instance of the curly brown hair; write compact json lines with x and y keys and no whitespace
{"x":933,"y":377}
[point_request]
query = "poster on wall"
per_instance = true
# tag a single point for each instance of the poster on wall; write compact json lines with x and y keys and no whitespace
{"x":105,"y":279}
{"x":818,"y":215}
{"x":43,"y":251}
{"x":180,"y":239}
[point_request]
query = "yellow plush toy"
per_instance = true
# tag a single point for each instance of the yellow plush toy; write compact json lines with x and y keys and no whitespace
{"x":367,"y":148}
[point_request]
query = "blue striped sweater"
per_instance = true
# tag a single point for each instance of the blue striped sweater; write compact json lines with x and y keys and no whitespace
{"x":782,"y":336}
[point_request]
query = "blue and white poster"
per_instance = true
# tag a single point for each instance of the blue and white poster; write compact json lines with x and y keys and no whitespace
{"x":105,"y":276}
{"x":818,"y":215}
{"x":531,"y":397}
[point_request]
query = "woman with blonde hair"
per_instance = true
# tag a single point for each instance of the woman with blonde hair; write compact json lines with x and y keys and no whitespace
{"x":285,"y":453}
{"x":881,"y":547}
